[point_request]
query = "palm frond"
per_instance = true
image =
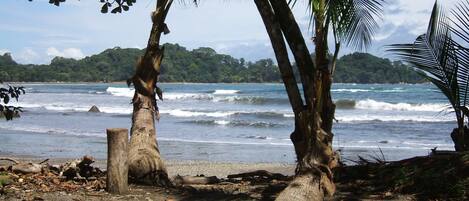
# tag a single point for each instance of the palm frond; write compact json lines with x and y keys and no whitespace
{"x":460,"y":28}
{"x":437,"y":56}
{"x":355,"y":21}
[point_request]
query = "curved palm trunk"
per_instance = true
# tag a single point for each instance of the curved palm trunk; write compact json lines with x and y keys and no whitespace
{"x":460,"y":134}
{"x":313,"y":149}
{"x":145,"y":163}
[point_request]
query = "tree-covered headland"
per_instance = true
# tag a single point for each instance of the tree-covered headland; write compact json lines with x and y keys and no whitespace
{"x":198,"y":65}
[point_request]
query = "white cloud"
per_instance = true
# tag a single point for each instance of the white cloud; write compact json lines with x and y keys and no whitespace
{"x":66,"y":53}
{"x":412,"y":15}
{"x":28,"y":55}
{"x":3,"y":51}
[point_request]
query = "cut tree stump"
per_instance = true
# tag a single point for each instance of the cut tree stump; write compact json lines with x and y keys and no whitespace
{"x":117,"y":161}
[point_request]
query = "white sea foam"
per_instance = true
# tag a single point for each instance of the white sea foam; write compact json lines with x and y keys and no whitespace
{"x":185,"y":113}
{"x":225,"y":92}
{"x":69,"y":107}
{"x":48,"y":130}
{"x":288,"y":115}
{"x":222,"y":122}
{"x":392,"y":118}
{"x":193,"y":96}
{"x":350,"y":90}
{"x":128,"y":92}
{"x":124,"y":92}
{"x":371,"y":104}
{"x":226,"y":142}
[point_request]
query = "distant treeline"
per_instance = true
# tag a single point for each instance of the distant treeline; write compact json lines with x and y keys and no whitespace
{"x":198,"y":65}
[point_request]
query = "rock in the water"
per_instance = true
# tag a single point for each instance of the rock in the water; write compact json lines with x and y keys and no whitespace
{"x":94,"y":109}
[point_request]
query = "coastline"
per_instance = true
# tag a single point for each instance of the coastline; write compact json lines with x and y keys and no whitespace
{"x":180,"y":167}
{"x":124,"y":82}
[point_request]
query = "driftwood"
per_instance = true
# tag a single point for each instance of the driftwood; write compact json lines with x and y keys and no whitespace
{"x":23,"y":167}
{"x":196,"y":180}
{"x":259,"y":174}
{"x":10,"y":159}
{"x":27,"y":168}
{"x":79,"y":169}
{"x":443,"y":152}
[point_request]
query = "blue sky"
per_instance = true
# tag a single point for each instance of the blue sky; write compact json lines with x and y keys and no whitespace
{"x":35,"y":32}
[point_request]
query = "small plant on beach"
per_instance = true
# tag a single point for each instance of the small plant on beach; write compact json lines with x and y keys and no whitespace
{"x":7,"y":94}
{"x":442,"y":56}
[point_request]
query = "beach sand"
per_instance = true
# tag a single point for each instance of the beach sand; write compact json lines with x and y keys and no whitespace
{"x":192,"y":168}
{"x":373,"y":181}
{"x":207,"y":168}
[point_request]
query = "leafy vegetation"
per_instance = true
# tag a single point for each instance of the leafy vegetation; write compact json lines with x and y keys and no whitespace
{"x":366,"y":68}
{"x":198,"y":65}
{"x":434,"y":177}
{"x":8,"y":93}
{"x":442,"y":56}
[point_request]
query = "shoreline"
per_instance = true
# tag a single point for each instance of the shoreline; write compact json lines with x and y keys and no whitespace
{"x":281,"y":83}
{"x":180,"y":167}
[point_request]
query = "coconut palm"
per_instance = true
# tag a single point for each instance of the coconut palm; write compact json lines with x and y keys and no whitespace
{"x":352,"y":22}
{"x":145,"y":163}
{"x":441,"y":56}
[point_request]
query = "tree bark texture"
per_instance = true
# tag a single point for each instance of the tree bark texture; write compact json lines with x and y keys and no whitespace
{"x":117,"y":164}
{"x":313,"y":179}
{"x":145,"y":163}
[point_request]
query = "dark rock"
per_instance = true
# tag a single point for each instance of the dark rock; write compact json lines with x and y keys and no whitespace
{"x":94,"y":109}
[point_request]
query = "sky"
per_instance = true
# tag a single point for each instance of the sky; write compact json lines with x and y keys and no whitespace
{"x":35,"y":32}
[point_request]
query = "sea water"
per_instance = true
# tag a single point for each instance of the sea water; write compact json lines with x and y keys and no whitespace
{"x":229,"y":122}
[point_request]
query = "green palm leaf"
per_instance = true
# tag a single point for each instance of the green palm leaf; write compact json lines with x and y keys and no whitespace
{"x":354,"y":21}
{"x":460,"y":28}
{"x":444,"y":60}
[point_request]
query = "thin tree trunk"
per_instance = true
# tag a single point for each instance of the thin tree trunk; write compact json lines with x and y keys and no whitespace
{"x":323,"y":79}
{"x":313,"y":179}
{"x":145,"y":163}
{"x":298,"y":47}
{"x":460,"y":140}
{"x":278,"y":44}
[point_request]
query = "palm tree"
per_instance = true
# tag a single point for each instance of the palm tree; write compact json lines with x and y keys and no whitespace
{"x":352,"y":22}
{"x":145,"y":163}
{"x":444,"y":61}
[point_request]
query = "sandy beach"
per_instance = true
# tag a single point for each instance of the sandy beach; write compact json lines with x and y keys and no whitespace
{"x":207,"y":168}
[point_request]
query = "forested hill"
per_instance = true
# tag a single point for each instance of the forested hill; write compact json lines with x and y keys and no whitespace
{"x":198,"y":65}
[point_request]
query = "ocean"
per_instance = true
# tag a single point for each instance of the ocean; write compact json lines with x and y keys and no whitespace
{"x":229,"y":122}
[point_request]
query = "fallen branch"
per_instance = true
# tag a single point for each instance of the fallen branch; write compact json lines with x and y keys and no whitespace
{"x":44,"y":161}
{"x":198,"y":180}
{"x":10,"y":159}
{"x":79,"y":169}
{"x":259,"y":173}
{"x":27,"y":168}
{"x":443,"y":152}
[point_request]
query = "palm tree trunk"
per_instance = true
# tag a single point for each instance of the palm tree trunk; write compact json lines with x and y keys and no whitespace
{"x":459,"y":135}
{"x":281,"y":54}
{"x":324,"y":104}
{"x":145,"y":163}
{"x":313,"y":179}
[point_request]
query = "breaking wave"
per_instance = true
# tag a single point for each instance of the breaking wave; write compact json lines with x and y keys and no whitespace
{"x":234,"y":123}
{"x":371,"y":104}
{"x":225,"y":91}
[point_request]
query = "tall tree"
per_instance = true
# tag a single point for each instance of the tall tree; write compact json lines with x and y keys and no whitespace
{"x":444,"y":60}
{"x":353,"y":22}
{"x":145,"y":163}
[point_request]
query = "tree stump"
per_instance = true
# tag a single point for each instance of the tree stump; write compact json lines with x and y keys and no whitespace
{"x":117,"y":160}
